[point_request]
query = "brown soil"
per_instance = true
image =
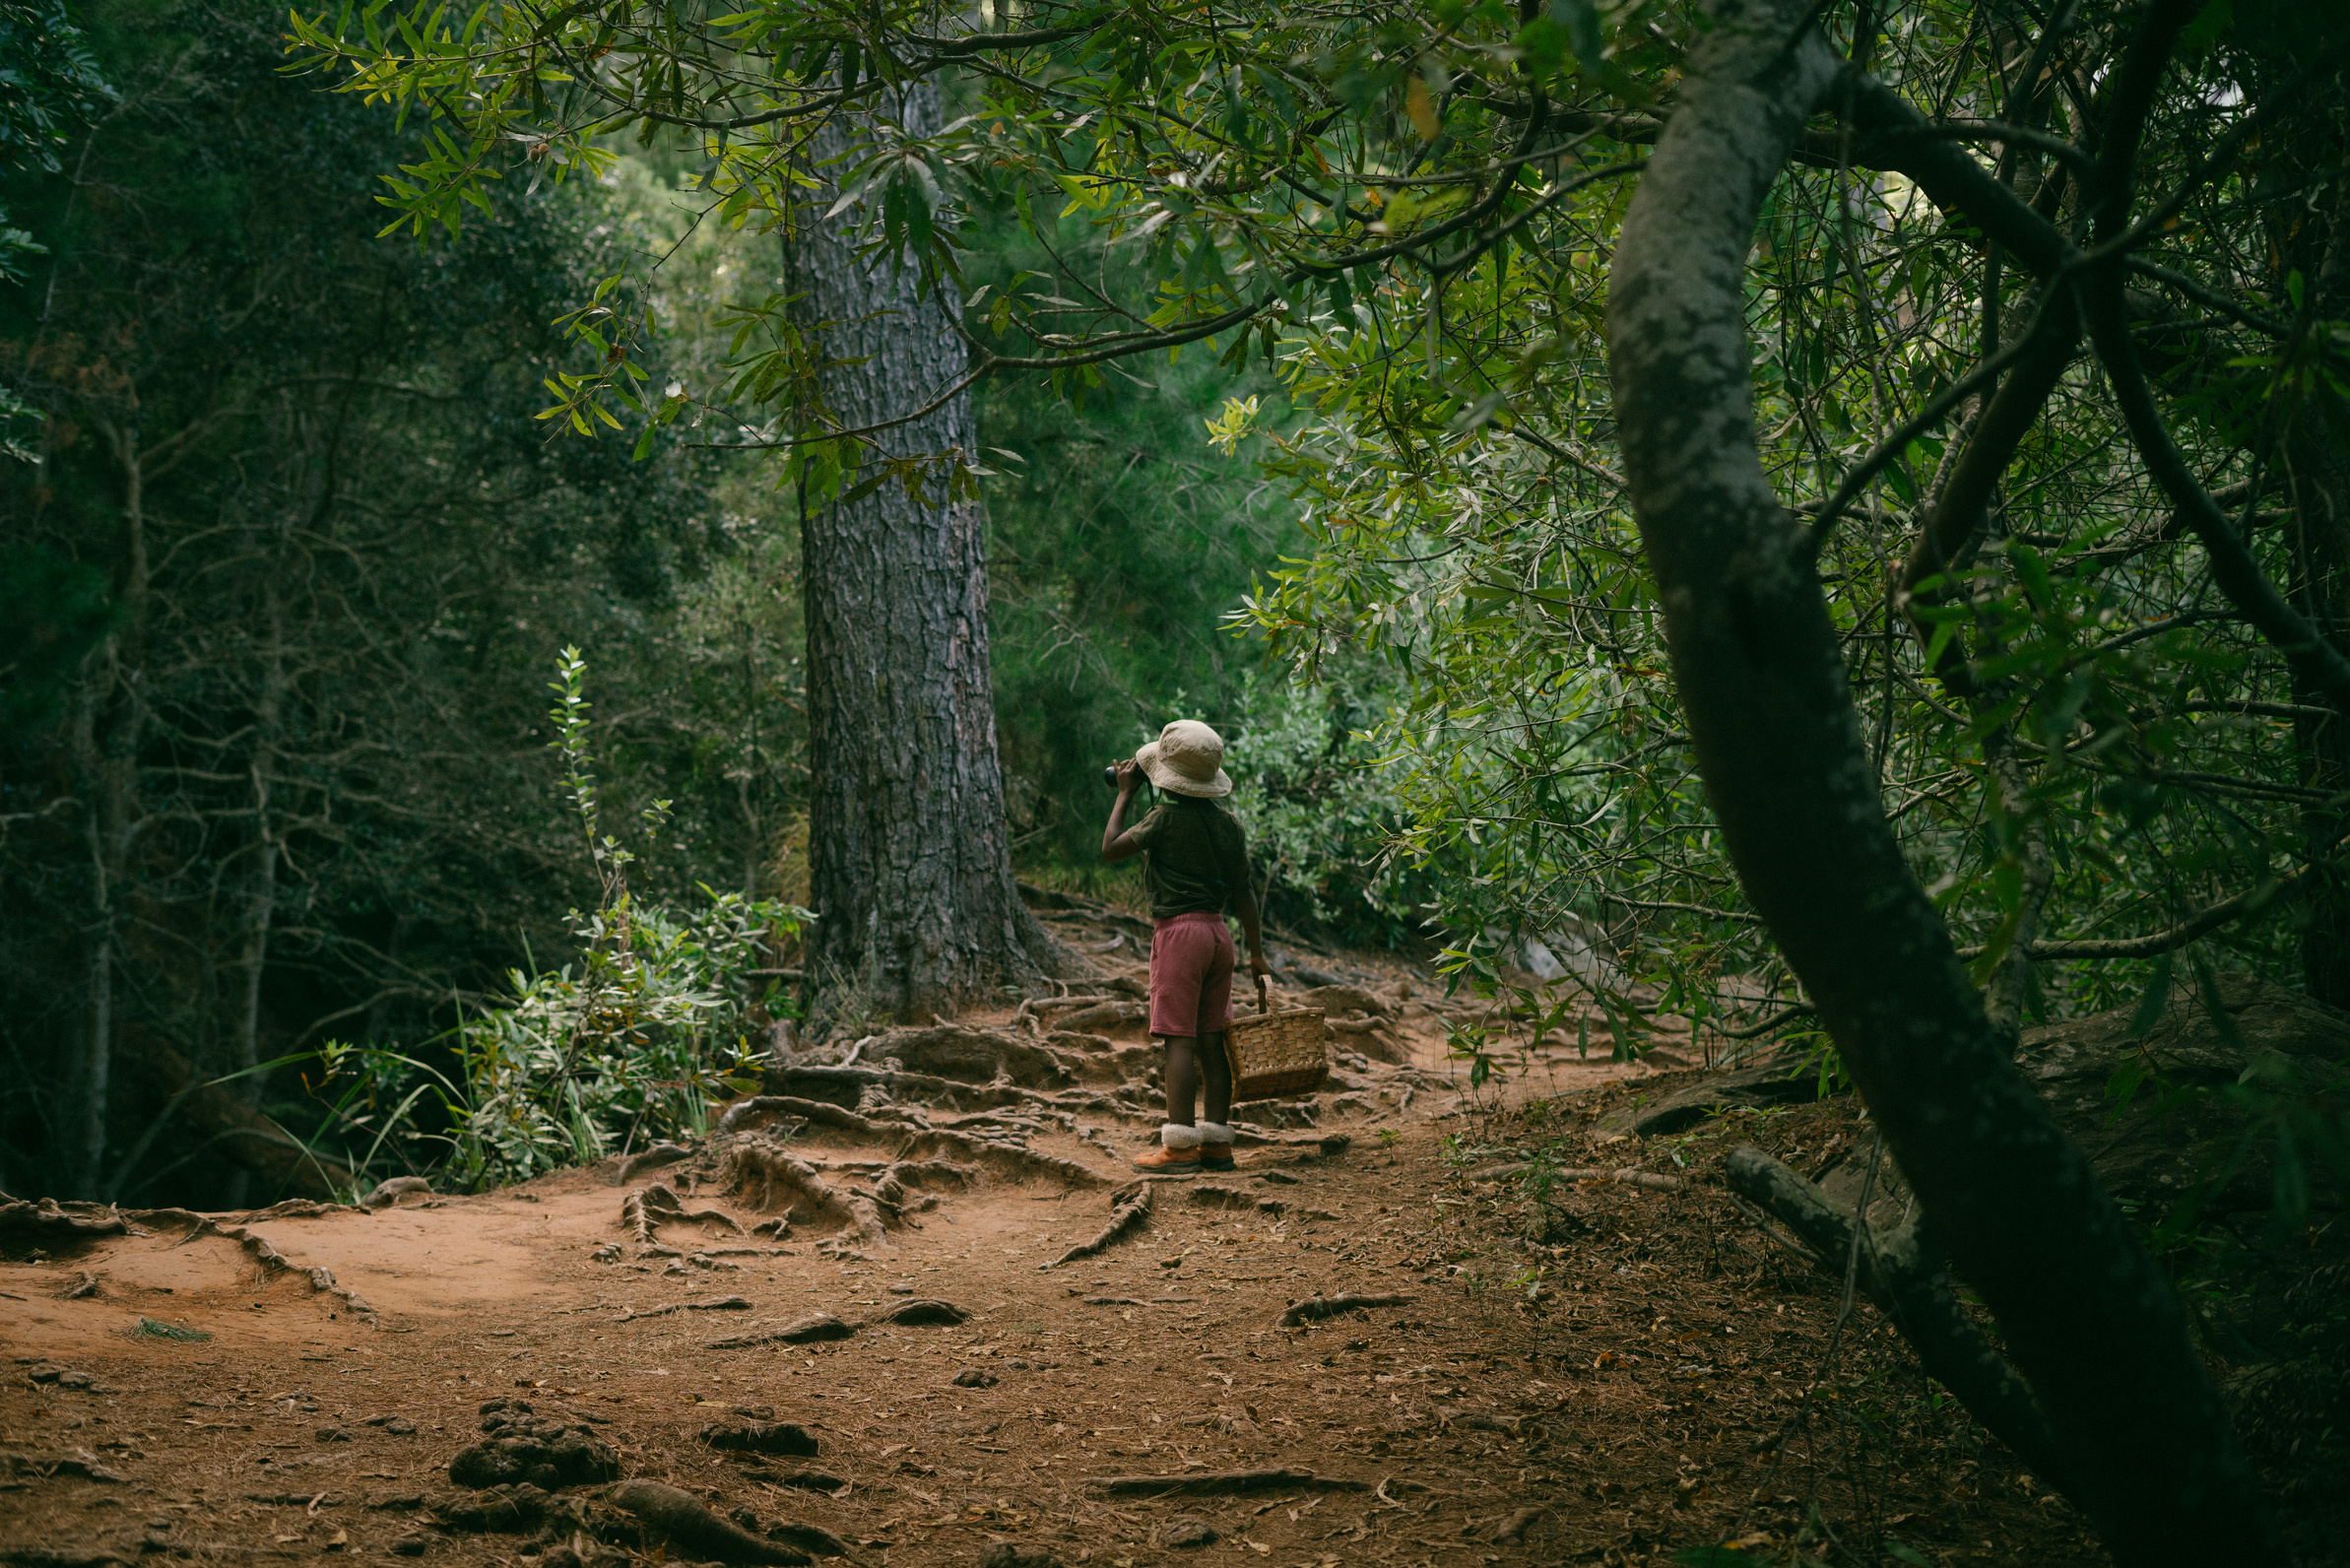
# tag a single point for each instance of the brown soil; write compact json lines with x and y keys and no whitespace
{"x":1636,"y":1370}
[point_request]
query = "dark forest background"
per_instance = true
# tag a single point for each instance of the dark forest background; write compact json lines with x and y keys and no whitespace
{"x":289,"y":560}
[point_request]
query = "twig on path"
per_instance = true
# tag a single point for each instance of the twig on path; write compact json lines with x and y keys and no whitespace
{"x":1220,"y":1483}
{"x":1514,"y":1528}
{"x":1126,"y":1218}
{"x":1314,"y":1307}
{"x":722,"y":1304}
{"x":1627,"y":1176}
{"x":687,"y":1523}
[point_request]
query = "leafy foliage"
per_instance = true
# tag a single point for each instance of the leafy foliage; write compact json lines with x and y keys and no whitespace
{"x":1405,"y":218}
{"x":628,"y":1046}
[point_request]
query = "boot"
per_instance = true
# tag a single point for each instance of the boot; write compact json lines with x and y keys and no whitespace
{"x":1215,"y":1146}
{"x":1178,"y":1154}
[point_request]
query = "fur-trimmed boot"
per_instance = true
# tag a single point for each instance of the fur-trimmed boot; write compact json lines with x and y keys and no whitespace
{"x":1177,"y":1154}
{"x":1215,"y":1146}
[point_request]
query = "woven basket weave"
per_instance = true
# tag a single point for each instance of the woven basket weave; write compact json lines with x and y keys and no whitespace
{"x":1277,"y":1054}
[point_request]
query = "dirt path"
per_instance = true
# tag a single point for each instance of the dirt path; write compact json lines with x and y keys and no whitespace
{"x":1601,"y":1392}
{"x":1162,"y":1355}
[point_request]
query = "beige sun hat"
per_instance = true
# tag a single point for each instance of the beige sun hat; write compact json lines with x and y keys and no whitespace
{"x":1187,"y":758}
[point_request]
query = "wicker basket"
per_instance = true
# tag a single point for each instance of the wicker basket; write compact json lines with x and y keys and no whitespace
{"x":1277,"y":1054}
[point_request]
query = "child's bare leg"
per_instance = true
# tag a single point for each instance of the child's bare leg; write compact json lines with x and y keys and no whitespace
{"x":1178,"y":1154}
{"x":1183,"y":1080}
{"x":1216,"y":1066}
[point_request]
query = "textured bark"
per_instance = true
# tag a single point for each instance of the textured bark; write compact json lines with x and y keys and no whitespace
{"x":1903,"y":1271}
{"x":908,"y":856}
{"x":2088,"y":1318}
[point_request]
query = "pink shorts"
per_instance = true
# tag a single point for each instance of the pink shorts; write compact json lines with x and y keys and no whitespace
{"x":1191,"y":975}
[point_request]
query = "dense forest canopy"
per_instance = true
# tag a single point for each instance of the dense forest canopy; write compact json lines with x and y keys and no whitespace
{"x":2106,"y":747}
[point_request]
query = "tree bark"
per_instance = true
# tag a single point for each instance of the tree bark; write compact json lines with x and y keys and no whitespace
{"x":2087,"y":1316}
{"x":107,"y":720}
{"x":909,"y":860}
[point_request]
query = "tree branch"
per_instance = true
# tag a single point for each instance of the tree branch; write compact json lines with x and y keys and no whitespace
{"x":1906,"y":1281}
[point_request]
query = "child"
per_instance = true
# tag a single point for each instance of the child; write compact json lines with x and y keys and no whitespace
{"x":1196,"y":864}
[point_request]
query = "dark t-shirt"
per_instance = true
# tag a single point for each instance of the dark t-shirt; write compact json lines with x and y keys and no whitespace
{"x":1195,"y":856}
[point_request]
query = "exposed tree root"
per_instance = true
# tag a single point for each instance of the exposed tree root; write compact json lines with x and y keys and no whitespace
{"x":1317,"y":1307}
{"x":722,"y":1304}
{"x":1106,"y":1015}
{"x":510,"y":1508}
{"x":1126,"y":1219}
{"x":1221,"y":1483}
{"x":803,"y":1330}
{"x":273,"y":1262}
{"x":1513,"y":1528}
{"x":300,"y":1208}
{"x":1206,"y":1195}
{"x":898,"y":1182}
{"x":1627,"y":1176}
{"x":924,"y":1314}
{"x":1007,"y":1161}
{"x":390,"y":1192}
{"x":846,"y":1085}
{"x":648,"y":1209}
{"x":1032,"y":1012}
{"x":49,"y":1217}
{"x":653,"y":1158}
{"x":768,"y":1177}
{"x":1908,"y":1282}
{"x":761,"y":1109}
{"x":760,"y":1437}
{"x":812,"y":1539}
{"x":702,"y":1533}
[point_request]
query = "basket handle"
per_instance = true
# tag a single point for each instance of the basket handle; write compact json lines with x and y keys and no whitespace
{"x":1264,"y":995}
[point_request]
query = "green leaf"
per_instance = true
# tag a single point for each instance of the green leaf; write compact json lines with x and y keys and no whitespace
{"x":2207,"y":989}
{"x":2155,"y":1001}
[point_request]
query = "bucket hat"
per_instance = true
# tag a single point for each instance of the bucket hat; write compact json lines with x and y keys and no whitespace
{"x":1187,"y":758}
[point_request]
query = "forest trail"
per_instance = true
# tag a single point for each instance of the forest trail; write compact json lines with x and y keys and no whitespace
{"x":1465,"y":1421}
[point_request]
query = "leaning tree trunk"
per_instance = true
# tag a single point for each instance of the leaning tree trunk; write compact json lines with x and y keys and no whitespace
{"x":908,"y":858}
{"x":2086,"y":1315}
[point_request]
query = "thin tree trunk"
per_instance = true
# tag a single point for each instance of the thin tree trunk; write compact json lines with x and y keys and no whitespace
{"x":910,"y":868}
{"x":261,"y":907}
{"x":2087,"y":1316}
{"x":106,"y":750}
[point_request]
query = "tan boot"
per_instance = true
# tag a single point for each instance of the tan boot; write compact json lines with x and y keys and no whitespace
{"x":1178,"y":1154}
{"x":1215,"y":1146}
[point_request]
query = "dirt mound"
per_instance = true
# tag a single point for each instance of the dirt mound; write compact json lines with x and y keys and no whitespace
{"x":2133,"y":1105}
{"x":2160,"y":1113}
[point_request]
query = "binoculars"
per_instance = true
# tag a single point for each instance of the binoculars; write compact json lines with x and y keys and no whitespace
{"x":1109,"y":776}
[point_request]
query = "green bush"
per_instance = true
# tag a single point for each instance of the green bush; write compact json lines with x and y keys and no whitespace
{"x":629,"y":1045}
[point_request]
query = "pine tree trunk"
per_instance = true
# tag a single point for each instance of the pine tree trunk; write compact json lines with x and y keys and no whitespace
{"x":908,"y":856}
